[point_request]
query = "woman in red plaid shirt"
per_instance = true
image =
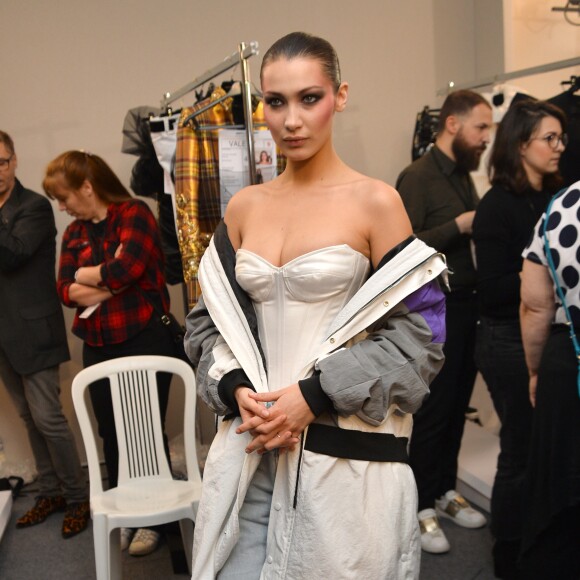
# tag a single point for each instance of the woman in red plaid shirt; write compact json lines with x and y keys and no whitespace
{"x":111,"y":269}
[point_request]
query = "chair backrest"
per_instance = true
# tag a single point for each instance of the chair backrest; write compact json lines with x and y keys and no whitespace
{"x":137,"y":419}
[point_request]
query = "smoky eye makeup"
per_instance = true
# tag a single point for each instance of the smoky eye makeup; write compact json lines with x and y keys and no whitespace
{"x":311,"y":98}
{"x":273,"y":101}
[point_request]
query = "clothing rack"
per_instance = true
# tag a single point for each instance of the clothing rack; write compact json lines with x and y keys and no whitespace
{"x":245,"y":51}
{"x":570,"y":7}
{"x":499,"y":78}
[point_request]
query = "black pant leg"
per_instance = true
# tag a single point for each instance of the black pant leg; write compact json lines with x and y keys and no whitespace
{"x":154,"y":340}
{"x":500,"y":358}
{"x":438,"y":425}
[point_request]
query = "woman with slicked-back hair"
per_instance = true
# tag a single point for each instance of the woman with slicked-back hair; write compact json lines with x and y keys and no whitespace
{"x":320,"y":327}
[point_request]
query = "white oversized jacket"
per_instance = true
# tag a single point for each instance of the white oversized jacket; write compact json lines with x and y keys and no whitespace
{"x":345,"y":504}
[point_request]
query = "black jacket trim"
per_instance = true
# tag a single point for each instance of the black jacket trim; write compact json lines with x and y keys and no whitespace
{"x":349,"y":444}
{"x":227,"y":256}
{"x":394,"y":251}
{"x":312,"y":391}
{"x":228,"y":384}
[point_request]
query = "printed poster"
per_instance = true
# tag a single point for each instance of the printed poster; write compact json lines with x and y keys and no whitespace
{"x":234,"y":165}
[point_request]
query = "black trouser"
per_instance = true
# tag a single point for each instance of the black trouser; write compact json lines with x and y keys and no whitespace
{"x":438,"y":425}
{"x":500,"y":357}
{"x":153,"y":339}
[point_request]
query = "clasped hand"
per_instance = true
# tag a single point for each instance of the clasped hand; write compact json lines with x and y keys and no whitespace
{"x":276,"y":427}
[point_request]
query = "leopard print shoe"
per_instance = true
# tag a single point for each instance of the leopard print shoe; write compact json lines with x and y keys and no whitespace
{"x":76,"y":518}
{"x":43,"y":507}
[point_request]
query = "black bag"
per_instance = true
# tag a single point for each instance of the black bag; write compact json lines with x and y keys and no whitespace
{"x":12,"y":483}
{"x":175,"y":329}
{"x":177,"y":333}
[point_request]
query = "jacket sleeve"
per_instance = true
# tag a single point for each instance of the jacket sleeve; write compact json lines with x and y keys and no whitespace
{"x":32,"y":227}
{"x":139,"y":237}
{"x":394,"y":364}
{"x":218,"y":373}
{"x":416,"y":199}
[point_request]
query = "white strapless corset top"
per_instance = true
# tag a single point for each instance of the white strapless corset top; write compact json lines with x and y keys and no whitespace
{"x":295,"y":303}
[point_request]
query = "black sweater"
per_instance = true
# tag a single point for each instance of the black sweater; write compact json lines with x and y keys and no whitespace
{"x":503,"y":224}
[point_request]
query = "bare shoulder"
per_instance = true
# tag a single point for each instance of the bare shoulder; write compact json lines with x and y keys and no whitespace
{"x":242,"y":202}
{"x":238,"y":208}
{"x":385,"y":216}
{"x":376,"y":195}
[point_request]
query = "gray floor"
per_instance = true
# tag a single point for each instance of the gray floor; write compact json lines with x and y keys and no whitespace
{"x":40,"y":553}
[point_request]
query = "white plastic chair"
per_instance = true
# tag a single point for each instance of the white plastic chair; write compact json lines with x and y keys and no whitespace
{"x":146,"y":494}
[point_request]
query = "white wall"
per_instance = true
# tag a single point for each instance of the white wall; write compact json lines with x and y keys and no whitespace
{"x":468,"y":41}
{"x":71,"y":70}
{"x":534,"y":35}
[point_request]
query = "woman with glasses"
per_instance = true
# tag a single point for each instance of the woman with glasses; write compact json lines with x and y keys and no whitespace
{"x":524,"y":174}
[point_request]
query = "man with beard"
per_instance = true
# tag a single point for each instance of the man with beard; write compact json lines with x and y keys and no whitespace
{"x":440,"y":199}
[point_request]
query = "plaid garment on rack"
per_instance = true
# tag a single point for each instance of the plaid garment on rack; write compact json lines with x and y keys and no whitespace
{"x":197,"y":185}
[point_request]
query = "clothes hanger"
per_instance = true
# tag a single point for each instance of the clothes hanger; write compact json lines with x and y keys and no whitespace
{"x":234,"y":91}
{"x":574,"y":83}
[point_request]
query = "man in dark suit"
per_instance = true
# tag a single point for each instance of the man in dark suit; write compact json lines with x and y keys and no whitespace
{"x":33,"y":343}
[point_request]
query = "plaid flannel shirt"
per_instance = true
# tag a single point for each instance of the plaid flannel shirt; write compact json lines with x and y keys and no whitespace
{"x":122,"y":316}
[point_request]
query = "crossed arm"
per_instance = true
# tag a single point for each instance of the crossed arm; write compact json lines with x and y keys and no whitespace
{"x":86,"y":289}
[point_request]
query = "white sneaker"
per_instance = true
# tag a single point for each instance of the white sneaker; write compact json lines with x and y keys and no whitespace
{"x":458,"y":509}
{"x":126,"y":537}
{"x":433,"y":539}
{"x":144,"y":542}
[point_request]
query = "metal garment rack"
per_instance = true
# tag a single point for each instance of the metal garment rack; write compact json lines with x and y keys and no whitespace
{"x":499,"y":78}
{"x":245,"y":51}
{"x":570,"y":7}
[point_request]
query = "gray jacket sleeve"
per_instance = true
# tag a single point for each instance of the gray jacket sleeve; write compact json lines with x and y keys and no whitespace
{"x":395,"y":363}
{"x":211,"y":356}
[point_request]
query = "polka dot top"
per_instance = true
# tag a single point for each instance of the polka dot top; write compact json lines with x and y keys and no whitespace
{"x":563,"y":229}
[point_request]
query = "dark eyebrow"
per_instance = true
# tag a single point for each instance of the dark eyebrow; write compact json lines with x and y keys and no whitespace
{"x":302,"y":92}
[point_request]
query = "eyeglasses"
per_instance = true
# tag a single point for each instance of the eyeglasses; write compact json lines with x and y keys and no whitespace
{"x":553,"y":140}
{"x":4,"y":162}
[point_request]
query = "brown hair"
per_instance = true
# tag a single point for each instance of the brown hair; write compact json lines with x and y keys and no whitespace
{"x":76,"y":167}
{"x":303,"y":45}
{"x":516,"y":128}
{"x":7,"y":140}
{"x":459,"y":103}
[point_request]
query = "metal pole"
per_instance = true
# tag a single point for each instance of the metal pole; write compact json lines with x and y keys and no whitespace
{"x":247,"y":102}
